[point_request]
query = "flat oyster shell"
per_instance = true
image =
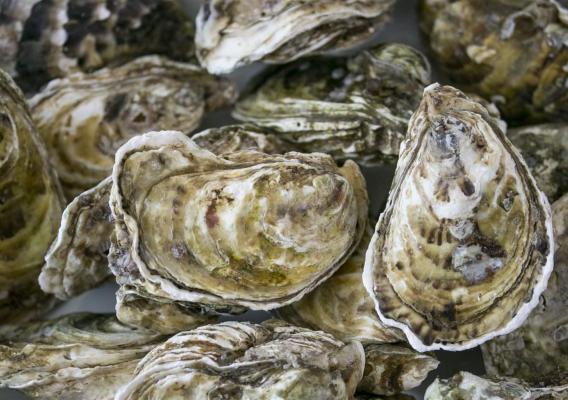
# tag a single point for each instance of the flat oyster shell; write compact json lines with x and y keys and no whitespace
{"x":513,"y":52}
{"x":31,"y":204}
{"x":465,"y":245}
{"x":253,"y":230}
{"x":241,"y":360}
{"x":466,"y":386}
{"x":231,"y":33}
{"x":353,"y":107}
{"x":537,"y":352}
{"x":85,"y":118}
{"x":545,"y":150}
{"x":65,"y":36}
{"x":77,"y":357}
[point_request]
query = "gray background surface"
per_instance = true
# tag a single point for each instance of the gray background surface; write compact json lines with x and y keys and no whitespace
{"x":402,"y":28}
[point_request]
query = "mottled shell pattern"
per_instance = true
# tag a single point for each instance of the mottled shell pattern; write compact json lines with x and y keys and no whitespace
{"x":350,"y":107}
{"x":465,"y":245}
{"x":231,"y":33}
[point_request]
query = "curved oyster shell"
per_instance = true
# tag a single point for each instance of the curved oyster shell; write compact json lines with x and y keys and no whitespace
{"x":31,"y":204}
{"x":513,"y":52}
{"x":65,"y":36}
{"x":356,"y":107}
{"x":231,"y":33}
{"x":466,"y":386}
{"x":252,"y":229}
{"x":85,"y":118}
{"x":464,"y":247}
{"x":83,"y":356}
{"x":241,"y":360}
{"x":537,"y":352}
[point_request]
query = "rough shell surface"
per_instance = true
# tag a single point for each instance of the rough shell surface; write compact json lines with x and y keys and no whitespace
{"x":85,"y":118}
{"x":356,"y":107}
{"x":77,"y":357}
{"x":31,"y":204}
{"x":236,"y":360}
{"x":465,"y":245}
{"x":231,"y":33}
{"x":512,"y":52}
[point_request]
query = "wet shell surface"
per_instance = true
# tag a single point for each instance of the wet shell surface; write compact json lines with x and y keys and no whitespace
{"x":465,"y":245}
{"x":231,"y":33}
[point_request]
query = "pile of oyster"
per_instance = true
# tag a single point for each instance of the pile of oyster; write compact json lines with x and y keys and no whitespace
{"x":103,"y":176}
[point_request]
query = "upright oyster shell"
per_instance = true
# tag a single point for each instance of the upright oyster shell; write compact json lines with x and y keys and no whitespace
{"x":85,"y":118}
{"x":513,"y":52}
{"x":77,"y":357}
{"x":31,"y":204}
{"x":356,"y":107}
{"x":251,"y":229}
{"x":231,"y":33}
{"x":65,"y":36}
{"x":537,"y":352}
{"x":465,"y":246}
{"x":241,"y":360}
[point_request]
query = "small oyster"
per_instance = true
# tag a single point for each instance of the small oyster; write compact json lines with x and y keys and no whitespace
{"x":538,"y":351}
{"x":77,"y":357}
{"x":513,"y":52}
{"x":251,"y":229}
{"x":231,"y":33}
{"x":356,"y":107}
{"x":65,"y":36}
{"x":84,"y":118}
{"x":241,"y":360}
{"x":31,"y":204}
{"x":545,"y":150}
{"x":466,"y":386}
{"x":464,"y":247}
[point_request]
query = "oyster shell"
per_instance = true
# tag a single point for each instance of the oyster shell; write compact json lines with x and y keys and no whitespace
{"x":537,"y":352}
{"x":365,"y":396}
{"x":356,"y":107}
{"x":78,"y":357}
{"x":65,"y":36}
{"x":466,"y":386}
{"x":513,"y":52}
{"x":31,"y":204}
{"x":465,"y":246}
{"x":231,"y":33}
{"x":85,"y":118}
{"x":252,"y":229}
{"x":241,"y":360}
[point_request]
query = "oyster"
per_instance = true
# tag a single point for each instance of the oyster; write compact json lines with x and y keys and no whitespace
{"x":464,"y":247}
{"x":545,"y":150}
{"x":365,"y":396}
{"x":241,"y":360}
{"x":231,"y":33}
{"x":84,"y":118}
{"x":65,"y":36}
{"x":538,"y":351}
{"x":31,"y":204}
{"x":513,"y":52}
{"x":80,"y":356}
{"x":356,"y":107}
{"x":466,"y":386}
{"x":251,"y":229}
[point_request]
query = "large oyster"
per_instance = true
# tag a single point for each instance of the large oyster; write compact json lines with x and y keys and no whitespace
{"x":250,"y":229}
{"x":241,"y":360}
{"x":64,"y":36}
{"x":231,"y":33}
{"x":31,"y":204}
{"x":513,"y":52}
{"x":84,"y":118}
{"x":464,"y":247}
{"x":538,"y":351}
{"x":356,"y":107}
{"x":77,"y":357}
